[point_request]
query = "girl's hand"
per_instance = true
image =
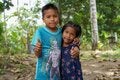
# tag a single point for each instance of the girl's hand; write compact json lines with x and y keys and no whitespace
{"x":76,"y":41}
{"x":75,"y":52}
{"x":38,"y":49}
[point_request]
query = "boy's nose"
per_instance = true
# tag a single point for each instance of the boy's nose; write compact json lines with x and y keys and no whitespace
{"x":52,"y":18}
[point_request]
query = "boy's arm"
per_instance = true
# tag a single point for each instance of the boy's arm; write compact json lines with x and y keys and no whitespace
{"x":36,"y":44}
{"x":38,"y":48}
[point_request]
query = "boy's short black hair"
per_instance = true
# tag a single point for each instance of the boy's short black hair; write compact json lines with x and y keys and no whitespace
{"x":49,"y":6}
{"x":75,"y":26}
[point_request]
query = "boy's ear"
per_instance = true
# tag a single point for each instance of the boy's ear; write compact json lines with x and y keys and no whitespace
{"x":43,"y":19}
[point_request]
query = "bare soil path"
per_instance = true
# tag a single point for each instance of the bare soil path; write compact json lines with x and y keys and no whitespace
{"x":23,"y":67}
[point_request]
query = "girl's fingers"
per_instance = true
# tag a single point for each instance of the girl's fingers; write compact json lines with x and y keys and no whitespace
{"x":74,"y":52}
{"x":71,"y":51}
{"x":76,"y":41}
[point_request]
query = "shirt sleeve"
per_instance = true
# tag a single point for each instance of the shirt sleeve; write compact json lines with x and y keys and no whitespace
{"x":35,"y":38}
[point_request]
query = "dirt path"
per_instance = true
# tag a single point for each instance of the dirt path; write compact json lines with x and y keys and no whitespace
{"x":101,"y":70}
{"x":23,"y":68}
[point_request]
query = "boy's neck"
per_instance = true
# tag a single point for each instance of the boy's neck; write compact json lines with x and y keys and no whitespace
{"x":52,"y":29}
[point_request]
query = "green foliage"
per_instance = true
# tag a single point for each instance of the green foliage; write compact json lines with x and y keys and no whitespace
{"x":1,"y":7}
{"x":20,"y":33}
{"x":108,"y":14}
{"x":36,"y":8}
{"x":1,"y":30}
{"x":6,"y":4}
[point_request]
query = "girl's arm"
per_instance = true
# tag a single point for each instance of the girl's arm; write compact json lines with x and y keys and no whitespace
{"x":75,"y":50}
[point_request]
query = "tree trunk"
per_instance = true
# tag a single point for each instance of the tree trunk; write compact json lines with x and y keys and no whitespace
{"x":5,"y":29}
{"x":94,"y":26}
{"x":60,"y":11}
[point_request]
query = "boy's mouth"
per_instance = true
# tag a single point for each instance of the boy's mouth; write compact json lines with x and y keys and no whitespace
{"x":52,"y":23}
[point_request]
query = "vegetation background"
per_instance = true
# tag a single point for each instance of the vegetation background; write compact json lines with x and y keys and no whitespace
{"x":15,"y":57}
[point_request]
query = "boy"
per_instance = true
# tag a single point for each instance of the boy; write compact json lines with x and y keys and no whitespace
{"x":47,"y":67}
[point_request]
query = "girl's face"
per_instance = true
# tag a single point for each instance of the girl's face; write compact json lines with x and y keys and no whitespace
{"x":68,"y":35}
{"x":51,"y":19}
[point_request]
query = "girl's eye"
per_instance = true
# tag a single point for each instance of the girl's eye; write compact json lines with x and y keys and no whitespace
{"x":73,"y":34}
{"x":66,"y":31}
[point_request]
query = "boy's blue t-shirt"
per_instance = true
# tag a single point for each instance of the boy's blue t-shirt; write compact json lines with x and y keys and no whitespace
{"x":47,"y":67}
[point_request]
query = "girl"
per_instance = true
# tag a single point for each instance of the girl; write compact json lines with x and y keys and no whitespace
{"x":70,"y":67}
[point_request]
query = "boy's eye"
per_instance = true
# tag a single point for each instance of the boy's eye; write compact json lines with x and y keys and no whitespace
{"x":55,"y":16}
{"x":48,"y":17}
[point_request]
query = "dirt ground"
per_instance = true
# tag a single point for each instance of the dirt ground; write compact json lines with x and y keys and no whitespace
{"x":101,"y":70}
{"x":17,"y":68}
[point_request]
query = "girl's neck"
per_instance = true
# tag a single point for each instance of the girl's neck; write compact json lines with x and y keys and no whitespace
{"x":65,"y":45}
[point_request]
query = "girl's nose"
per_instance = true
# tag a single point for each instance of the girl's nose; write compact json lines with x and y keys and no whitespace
{"x":68,"y":35}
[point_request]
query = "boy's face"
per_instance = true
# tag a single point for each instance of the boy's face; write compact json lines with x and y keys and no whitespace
{"x":51,"y":19}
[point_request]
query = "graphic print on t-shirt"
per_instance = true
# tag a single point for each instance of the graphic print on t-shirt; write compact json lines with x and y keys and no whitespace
{"x":53,"y":61}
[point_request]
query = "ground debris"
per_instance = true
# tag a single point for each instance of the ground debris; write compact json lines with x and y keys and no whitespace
{"x":22,"y":67}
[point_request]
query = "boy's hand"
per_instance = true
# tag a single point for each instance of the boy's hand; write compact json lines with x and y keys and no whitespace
{"x":38,"y":48}
{"x":75,"y":52}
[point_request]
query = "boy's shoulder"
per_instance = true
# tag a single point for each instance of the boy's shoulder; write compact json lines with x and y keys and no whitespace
{"x":59,"y":28}
{"x":40,"y":28}
{"x":43,"y":28}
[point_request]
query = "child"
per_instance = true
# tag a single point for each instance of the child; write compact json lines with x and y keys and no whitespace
{"x":50,"y":36}
{"x":70,"y":67}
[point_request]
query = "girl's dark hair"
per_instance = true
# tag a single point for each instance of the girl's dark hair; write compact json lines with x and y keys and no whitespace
{"x":75,"y":26}
{"x":49,"y":6}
